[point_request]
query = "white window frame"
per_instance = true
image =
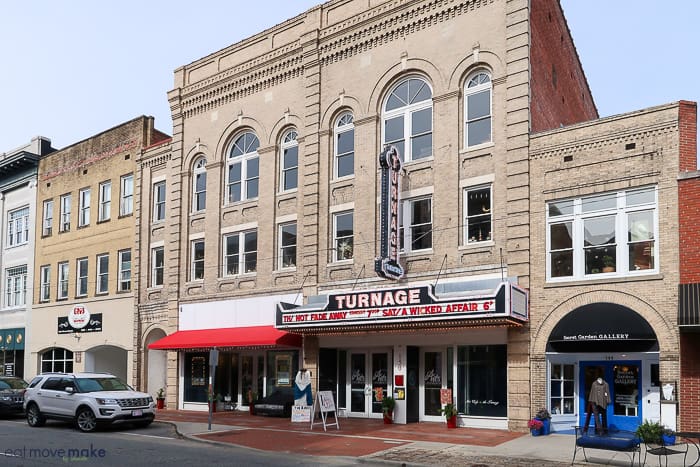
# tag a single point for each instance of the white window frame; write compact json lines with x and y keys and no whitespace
{"x":483,"y":235}
{"x":281,"y":247}
{"x":159,"y":201}
{"x":242,"y":257}
{"x":407,"y":112}
{"x":126,"y":195}
{"x":125,"y":266}
{"x":16,"y":286}
{"x":105,"y":201}
{"x":620,"y":211}
{"x":84,"y":207}
{"x":62,"y":285}
{"x":344,"y":124}
{"x":479,"y":82}
{"x":244,"y":151}
{"x":45,"y":283}
{"x":563,"y":398}
{"x":65,"y":212}
{"x":406,"y":234}
{"x":157,"y":266}
{"x":197,"y":264}
{"x":290,"y":140}
{"x":343,"y":246}
{"x":18,"y":227}
{"x":199,"y":196}
{"x":66,"y":361}
{"x":102,"y":267}
{"x":47,"y":218}
{"x":81,"y":277}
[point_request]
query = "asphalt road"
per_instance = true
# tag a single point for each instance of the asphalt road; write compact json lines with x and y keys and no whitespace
{"x":60,"y":443}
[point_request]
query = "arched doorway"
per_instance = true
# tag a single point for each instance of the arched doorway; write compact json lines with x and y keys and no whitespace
{"x":614,"y":343}
{"x":156,"y":363}
{"x":107,"y":359}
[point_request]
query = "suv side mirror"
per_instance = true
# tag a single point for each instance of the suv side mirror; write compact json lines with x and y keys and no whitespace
{"x":69,"y":389}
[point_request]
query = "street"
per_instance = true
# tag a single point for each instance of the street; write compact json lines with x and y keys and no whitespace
{"x":60,"y":443}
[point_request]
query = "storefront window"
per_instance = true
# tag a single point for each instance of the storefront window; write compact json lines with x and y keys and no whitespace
{"x":626,"y":389}
{"x":282,"y":368}
{"x":57,"y":360}
{"x":196,"y":376}
{"x":561,"y":389}
{"x":432,"y":382}
{"x":482,"y":381}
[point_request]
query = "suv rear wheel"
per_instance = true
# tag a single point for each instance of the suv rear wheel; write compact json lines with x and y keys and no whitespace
{"x":34,"y":416}
{"x":85,"y":420}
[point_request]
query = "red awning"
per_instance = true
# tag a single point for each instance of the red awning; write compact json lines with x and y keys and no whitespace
{"x":255,"y":336}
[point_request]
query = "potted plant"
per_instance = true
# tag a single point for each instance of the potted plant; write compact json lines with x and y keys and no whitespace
{"x":450,"y":412}
{"x":544,"y":416}
{"x":388,"y":404}
{"x":650,"y":432}
{"x":535,"y":427}
{"x":668,"y":436}
{"x":252,"y":397}
{"x":608,"y":264}
{"x":160,"y":398}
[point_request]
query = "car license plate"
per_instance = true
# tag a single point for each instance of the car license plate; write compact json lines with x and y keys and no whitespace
{"x":137,"y":413}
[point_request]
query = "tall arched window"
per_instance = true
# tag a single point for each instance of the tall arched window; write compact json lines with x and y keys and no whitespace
{"x":199,"y":185}
{"x":477,"y":109}
{"x":408,"y":119}
{"x":243,"y":173}
{"x":289,"y":161}
{"x":57,"y":360}
{"x":344,"y":138}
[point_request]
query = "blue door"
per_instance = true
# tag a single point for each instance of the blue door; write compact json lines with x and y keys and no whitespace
{"x":625,"y":381}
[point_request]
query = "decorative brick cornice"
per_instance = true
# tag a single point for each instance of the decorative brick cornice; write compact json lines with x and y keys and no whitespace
{"x":161,"y":159}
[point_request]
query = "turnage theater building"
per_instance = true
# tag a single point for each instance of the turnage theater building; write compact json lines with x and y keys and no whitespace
{"x":354,"y":191}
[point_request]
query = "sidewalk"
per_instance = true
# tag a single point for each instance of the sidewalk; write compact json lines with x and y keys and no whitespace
{"x":417,"y":444}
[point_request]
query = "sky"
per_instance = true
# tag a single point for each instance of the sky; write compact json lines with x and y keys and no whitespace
{"x":70,"y":69}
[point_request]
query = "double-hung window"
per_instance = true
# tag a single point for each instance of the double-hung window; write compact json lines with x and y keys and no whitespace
{"x":105,"y":201}
{"x":84,"y":207}
{"x":344,"y":137}
{"x":243,"y":173}
{"x":199,"y":185}
{"x":126,"y":196}
{"x":65,"y":213}
{"x":561,"y":389}
{"x":157,"y":266}
{"x":18,"y":227}
{"x":408,"y":119}
{"x":81,"y":283}
{"x":478,"y":226}
{"x":47,"y":218}
{"x":159,"y":201}
{"x":45,"y":283}
{"x":197,"y":260}
{"x":124,"y":271}
{"x":608,"y":234}
{"x":477,"y":109}
{"x":16,"y":286}
{"x":62,"y":280}
{"x":343,"y":236}
{"x":287,"y":250}
{"x":240,"y":253}
{"x":289,"y":161}
{"x":416,"y":224}
{"x":102,"y":274}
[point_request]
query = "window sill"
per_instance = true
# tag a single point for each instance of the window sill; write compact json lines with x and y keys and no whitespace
{"x":344,"y":262}
{"x":288,"y":193}
{"x":285,"y":270}
{"x":477,"y":245}
{"x":233,"y":277}
{"x":102,"y":221}
{"x":241,"y":203}
{"x":414,"y":253}
{"x":345,"y":179}
{"x":130,"y":214}
{"x":154,"y":288}
{"x":157,"y":222}
{"x":471,"y":150}
{"x":603,"y":280}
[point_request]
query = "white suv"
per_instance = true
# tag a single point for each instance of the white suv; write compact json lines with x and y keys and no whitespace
{"x":88,"y":399}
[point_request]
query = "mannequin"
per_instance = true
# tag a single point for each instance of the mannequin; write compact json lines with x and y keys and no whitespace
{"x":598,"y":401}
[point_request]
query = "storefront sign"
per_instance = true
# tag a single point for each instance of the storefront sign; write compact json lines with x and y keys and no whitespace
{"x":93,"y":323}
{"x":78,"y":317}
{"x":401,"y":305}
{"x":387,"y":264}
{"x":597,"y":337}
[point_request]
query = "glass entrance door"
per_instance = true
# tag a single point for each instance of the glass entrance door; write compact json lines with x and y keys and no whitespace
{"x":433,"y":371}
{"x":625,"y":383}
{"x":369,"y":376}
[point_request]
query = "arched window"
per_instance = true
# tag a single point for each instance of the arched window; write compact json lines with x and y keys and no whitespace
{"x":289,"y":161}
{"x":57,"y":360}
{"x":344,"y":138}
{"x":199,"y":185}
{"x":243,"y":174}
{"x":477,"y":109}
{"x":408,"y":119}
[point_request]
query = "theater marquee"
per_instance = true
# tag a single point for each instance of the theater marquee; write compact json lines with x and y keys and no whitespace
{"x":412,"y":304}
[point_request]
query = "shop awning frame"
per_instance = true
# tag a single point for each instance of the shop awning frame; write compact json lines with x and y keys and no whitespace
{"x":252,"y":337}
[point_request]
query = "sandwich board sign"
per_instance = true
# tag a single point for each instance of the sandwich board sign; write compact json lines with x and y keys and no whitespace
{"x":325,"y":403}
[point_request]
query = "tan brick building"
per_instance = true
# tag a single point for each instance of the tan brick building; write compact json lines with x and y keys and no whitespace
{"x":84,"y":305}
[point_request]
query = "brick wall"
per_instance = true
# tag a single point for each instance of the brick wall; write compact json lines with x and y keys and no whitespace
{"x":690,"y":387}
{"x":560,"y":92}
{"x":688,"y":127}
{"x":689,"y":234}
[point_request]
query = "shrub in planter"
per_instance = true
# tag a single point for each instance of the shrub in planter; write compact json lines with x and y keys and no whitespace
{"x":388,"y":404}
{"x":650,"y":432}
{"x":535,"y":426}
{"x":450,"y":412}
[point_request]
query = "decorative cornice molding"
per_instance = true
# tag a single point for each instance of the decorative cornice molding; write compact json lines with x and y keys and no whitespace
{"x":161,"y":159}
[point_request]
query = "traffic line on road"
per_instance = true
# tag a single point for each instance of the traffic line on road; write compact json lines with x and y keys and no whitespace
{"x":145,"y":436}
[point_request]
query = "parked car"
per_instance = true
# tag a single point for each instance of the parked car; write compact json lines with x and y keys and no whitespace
{"x":88,"y":399}
{"x":279,"y":403}
{"x":11,"y":394}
